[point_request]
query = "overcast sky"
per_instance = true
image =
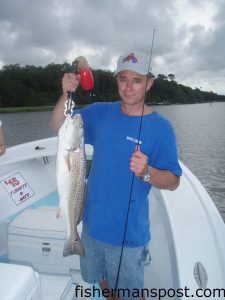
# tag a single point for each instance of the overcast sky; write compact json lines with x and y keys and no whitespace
{"x":189,"y":39}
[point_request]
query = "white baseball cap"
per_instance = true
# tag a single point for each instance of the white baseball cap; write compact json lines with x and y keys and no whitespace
{"x":134,"y":61}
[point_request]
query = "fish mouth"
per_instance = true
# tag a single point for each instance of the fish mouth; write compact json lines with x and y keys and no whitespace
{"x":74,"y":149}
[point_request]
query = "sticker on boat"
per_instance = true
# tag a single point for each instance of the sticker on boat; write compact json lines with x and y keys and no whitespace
{"x":17,"y":188}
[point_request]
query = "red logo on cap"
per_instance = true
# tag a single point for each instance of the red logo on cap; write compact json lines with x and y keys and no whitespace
{"x":131,"y":57}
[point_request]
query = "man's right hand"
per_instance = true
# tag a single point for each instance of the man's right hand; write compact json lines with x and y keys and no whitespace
{"x":70,"y":82}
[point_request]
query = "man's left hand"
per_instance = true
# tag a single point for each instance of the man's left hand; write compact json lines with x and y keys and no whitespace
{"x":139,"y":162}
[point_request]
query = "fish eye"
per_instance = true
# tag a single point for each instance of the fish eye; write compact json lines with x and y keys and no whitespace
{"x":81,"y":125}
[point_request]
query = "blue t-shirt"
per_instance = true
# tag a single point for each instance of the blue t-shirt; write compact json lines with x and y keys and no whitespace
{"x":114,"y":137}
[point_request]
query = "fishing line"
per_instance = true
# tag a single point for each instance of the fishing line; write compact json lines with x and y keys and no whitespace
{"x":132,"y":182}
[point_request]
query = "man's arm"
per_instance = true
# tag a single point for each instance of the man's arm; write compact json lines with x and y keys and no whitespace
{"x":2,"y":142}
{"x":161,"y":179}
{"x":58,"y":117}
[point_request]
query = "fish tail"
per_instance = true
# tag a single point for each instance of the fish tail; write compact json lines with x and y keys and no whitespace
{"x":73,"y":247}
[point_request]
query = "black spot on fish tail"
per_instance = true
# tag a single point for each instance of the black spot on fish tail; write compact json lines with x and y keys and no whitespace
{"x":72,"y":247}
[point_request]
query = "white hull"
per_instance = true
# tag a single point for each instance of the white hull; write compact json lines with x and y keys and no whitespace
{"x":188,"y":234}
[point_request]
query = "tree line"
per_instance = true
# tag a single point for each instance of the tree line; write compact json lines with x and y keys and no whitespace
{"x":41,"y":86}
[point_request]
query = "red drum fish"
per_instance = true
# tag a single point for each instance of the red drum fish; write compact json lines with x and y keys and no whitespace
{"x":71,"y":179}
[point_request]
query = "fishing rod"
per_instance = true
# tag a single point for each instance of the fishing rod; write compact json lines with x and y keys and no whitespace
{"x":132,"y":182}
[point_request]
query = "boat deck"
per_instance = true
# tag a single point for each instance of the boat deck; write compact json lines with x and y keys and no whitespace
{"x":187,"y":246}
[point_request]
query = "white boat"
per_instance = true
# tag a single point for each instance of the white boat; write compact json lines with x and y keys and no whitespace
{"x":187,"y":246}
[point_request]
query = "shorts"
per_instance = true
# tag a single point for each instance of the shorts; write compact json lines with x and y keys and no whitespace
{"x":101,"y":262}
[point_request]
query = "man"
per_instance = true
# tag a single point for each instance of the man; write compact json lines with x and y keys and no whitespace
{"x":2,"y":142}
{"x":113,"y":130}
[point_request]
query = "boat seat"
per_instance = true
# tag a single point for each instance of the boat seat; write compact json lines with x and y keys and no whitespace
{"x":19,"y":282}
{"x":36,"y":237}
{"x":57,"y":287}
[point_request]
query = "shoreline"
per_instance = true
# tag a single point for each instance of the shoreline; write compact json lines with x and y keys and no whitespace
{"x":50,"y":107}
{"x":25,"y":109}
{"x":28,"y":109}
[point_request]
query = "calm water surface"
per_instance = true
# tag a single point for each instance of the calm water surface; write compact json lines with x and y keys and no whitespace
{"x":200,"y":131}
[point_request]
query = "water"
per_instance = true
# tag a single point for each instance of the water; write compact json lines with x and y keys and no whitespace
{"x":200,"y":131}
{"x":25,"y":127}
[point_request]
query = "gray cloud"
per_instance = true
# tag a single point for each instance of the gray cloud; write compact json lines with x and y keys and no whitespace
{"x":42,"y":32}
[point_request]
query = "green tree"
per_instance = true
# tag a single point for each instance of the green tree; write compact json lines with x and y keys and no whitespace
{"x":37,"y":86}
{"x":171,"y":77}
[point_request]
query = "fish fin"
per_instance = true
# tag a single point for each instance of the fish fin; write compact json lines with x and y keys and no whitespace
{"x":73,"y":247}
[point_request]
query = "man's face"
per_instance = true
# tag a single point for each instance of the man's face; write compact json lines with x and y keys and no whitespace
{"x":132,"y":86}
